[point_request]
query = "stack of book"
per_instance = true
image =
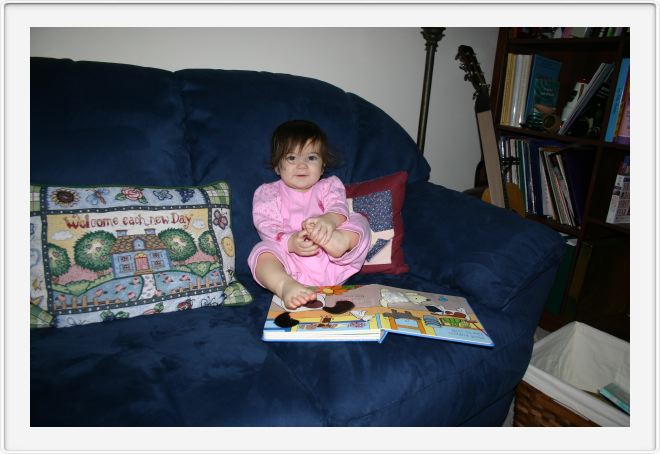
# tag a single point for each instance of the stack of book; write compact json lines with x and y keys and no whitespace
{"x":531,"y":87}
{"x":552,"y":177}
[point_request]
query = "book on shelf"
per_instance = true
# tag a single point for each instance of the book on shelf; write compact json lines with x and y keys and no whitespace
{"x":622,"y":134}
{"x":507,"y":92}
{"x":563,"y":185}
{"x":542,"y":91}
{"x":618,"y":101}
{"x":539,"y":179}
{"x":589,"y":121}
{"x":541,"y":194}
{"x":573,"y":98}
{"x":619,"y":209}
{"x":369,"y":312}
{"x":553,"y":175}
{"x":595,"y":85}
{"x":519,"y":89}
{"x":551,"y":182}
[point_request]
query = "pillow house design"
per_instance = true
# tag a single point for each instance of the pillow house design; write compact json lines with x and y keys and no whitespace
{"x":105,"y":253}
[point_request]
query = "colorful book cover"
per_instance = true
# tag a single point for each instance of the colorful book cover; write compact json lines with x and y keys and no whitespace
{"x":544,"y":85}
{"x":369,"y":312}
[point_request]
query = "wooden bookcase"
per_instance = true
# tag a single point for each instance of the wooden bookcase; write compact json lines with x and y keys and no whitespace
{"x":603,"y":297}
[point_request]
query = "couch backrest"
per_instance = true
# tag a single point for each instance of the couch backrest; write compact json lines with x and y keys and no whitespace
{"x":103,"y":123}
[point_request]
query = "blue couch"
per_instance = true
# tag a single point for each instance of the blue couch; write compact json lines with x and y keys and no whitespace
{"x":100,"y":123}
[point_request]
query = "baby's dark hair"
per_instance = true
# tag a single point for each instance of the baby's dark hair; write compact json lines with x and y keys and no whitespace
{"x":294,"y":135}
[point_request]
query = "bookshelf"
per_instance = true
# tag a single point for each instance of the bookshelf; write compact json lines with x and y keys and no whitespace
{"x":596,"y":289}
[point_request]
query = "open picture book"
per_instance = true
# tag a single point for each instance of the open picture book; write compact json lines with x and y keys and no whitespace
{"x":369,"y":312}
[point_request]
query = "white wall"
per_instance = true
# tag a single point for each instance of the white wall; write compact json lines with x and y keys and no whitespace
{"x":383,"y":65}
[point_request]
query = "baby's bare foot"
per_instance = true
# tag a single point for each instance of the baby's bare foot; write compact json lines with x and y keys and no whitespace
{"x":341,"y":242}
{"x":295,"y":294}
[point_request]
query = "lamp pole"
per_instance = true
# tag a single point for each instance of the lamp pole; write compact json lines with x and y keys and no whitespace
{"x":431,"y":35}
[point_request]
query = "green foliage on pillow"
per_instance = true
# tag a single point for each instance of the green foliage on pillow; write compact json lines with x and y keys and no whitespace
{"x":106,"y":253}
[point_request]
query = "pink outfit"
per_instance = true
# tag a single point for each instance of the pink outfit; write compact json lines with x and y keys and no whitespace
{"x":278,"y":211}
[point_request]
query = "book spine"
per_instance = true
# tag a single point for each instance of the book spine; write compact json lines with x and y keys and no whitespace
{"x":515,"y":91}
{"x":550,"y":177}
{"x":559,"y":195}
{"x":623,"y":132}
{"x":505,"y":112}
{"x":524,"y":85}
{"x":545,"y":169}
{"x":565,"y":190}
{"x":550,"y":208}
{"x":618,"y":99}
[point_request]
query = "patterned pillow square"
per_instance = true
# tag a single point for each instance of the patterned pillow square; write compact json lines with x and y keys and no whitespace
{"x":114,"y":252}
{"x":381,"y":201}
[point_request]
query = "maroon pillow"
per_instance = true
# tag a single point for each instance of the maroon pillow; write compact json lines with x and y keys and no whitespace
{"x":381,"y":201}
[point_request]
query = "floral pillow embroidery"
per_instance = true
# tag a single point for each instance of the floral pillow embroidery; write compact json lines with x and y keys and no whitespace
{"x":106,"y":253}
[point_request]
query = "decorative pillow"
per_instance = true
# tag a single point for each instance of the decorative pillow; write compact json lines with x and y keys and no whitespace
{"x":381,"y":201}
{"x":105,"y":253}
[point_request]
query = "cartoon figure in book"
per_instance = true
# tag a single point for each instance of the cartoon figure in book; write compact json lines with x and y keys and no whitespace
{"x":401,"y":300}
{"x":458,"y":313}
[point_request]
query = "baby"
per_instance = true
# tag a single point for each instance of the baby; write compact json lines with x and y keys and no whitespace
{"x":309,"y":238}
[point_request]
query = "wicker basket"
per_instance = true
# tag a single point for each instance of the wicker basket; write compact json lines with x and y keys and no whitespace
{"x":534,"y":408}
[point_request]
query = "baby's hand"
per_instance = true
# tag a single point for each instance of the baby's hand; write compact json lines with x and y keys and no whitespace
{"x":301,"y":244}
{"x":319,"y":229}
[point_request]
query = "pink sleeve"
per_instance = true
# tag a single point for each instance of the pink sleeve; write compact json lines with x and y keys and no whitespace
{"x":334,"y":197}
{"x":267,"y":214}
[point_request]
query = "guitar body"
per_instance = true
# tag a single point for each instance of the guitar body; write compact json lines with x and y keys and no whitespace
{"x":513,"y":195}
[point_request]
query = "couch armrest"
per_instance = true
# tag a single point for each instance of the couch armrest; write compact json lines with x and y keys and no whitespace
{"x":488,"y":253}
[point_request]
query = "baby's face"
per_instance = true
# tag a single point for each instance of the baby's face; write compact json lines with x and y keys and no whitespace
{"x":302,"y":168}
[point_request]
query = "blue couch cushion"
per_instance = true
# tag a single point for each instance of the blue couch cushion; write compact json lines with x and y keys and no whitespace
{"x":488,"y":253}
{"x":208,"y":367}
{"x":102,"y":123}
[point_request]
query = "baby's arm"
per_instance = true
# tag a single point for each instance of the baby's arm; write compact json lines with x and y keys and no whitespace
{"x":267,"y":216}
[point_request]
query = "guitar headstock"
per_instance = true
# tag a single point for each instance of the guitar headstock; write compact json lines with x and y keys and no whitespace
{"x":473,"y":72}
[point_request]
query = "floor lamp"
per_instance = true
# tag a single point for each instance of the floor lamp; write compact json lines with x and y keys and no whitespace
{"x":431,"y":35}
